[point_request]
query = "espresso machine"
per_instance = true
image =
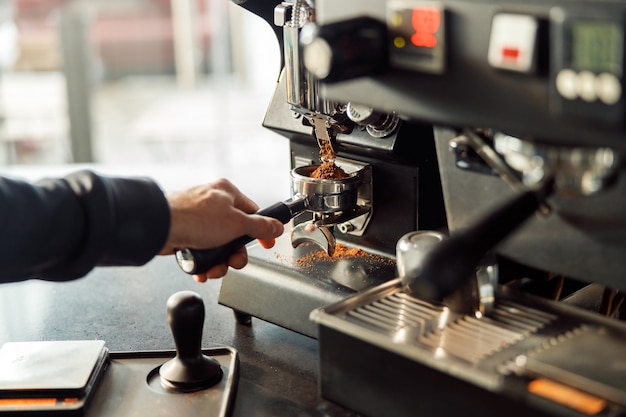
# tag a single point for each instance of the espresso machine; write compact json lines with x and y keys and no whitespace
{"x":392,"y":188}
{"x":488,"y":138}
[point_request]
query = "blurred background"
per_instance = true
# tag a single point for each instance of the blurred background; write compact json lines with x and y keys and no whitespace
{"x":172,"y":89}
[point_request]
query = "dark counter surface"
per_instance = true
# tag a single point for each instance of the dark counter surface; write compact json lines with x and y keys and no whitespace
{"x":125,"y":307}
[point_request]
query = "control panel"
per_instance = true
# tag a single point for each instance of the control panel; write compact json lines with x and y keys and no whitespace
{"x":550,"y":71}
{"x":587,"y":63}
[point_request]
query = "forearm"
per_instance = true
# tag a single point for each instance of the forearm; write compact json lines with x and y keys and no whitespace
{"x":60,"y":229}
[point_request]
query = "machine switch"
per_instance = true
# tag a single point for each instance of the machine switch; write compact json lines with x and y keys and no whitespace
{"x":513,"y":42}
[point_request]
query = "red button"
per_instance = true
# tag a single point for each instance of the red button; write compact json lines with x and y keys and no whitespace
{"x":510,"y":53}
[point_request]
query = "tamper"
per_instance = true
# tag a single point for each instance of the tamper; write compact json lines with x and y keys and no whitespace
{"x":190,"y":370}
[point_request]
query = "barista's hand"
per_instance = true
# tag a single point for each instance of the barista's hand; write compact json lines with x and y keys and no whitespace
{"x":208,"y":216}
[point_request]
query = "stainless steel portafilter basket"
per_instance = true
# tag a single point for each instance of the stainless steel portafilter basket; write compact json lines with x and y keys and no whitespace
{"x":325,"y":195}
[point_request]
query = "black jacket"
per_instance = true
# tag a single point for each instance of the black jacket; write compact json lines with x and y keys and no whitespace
{"x":59,"y":229}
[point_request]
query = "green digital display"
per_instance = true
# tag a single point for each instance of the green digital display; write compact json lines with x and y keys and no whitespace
{"x":597,"y":47}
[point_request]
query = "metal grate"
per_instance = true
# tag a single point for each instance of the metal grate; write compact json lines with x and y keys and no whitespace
{"x":396,"y":312}
{"x":473,"y":339}
{"x":466,"y":338}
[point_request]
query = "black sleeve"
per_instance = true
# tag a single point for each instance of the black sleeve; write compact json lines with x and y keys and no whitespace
{"x":59,"y":229}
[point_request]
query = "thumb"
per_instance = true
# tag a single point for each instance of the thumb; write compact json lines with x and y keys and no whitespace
{"x":262,"y":227}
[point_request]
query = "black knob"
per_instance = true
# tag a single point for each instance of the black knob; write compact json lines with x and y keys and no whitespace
{"x":344,"y":50}
{"x":190,"y":370}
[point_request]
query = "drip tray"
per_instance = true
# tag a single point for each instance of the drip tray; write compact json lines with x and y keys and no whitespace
{"x":384,"y":352}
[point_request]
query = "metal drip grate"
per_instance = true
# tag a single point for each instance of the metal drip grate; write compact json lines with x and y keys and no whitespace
{"x":473,"y":339}
{"x":522,"y":339}
{"x":466,"y":337}
{"x":396,"y":312}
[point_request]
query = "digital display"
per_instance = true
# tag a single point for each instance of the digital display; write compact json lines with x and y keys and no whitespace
{"x":597,"y":47}
{"x":417,"y":35}
{"x":417,"y":27}
{"x":426,"y":22}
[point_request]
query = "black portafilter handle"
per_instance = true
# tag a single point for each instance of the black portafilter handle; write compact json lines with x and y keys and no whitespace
{"x":453,"y":261}
{"x":195,"y":261}
{"x":190,"y":370}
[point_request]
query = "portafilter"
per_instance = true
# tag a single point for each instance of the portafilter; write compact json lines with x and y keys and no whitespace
{"x":324,"y":196}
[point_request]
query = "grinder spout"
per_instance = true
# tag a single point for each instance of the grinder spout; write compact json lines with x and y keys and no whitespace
{"x":309,"y":232}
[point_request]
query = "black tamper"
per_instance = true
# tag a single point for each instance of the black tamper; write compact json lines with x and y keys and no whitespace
{"x":190,"y":370}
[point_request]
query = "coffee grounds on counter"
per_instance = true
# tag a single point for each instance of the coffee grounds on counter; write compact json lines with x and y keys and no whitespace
{"x":341,"y":252}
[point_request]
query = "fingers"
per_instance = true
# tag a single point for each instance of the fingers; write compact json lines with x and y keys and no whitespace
{"x":237,"y":260}
{"x":240,"y":200}
{"x":267,"y":243}
{"x":263,"y":228}
{"x":257,"y":226}
{"x":210,"y":216}
{"x":199,"y":278}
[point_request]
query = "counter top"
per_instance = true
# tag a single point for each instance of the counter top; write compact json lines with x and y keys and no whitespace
{"x":125,"y":307}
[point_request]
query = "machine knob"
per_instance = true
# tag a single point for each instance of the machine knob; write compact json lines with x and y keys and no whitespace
{"x":190,"y":370}
{"x":347,"y":49}
{"x":364,"y":115}
{"x":378,"y":124}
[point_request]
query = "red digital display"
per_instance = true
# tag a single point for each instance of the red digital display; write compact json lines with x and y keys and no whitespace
{"x":417,"y":31}
{"x":426,"y":21}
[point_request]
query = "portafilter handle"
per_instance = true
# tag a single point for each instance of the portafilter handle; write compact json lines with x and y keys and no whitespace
{"x":454,"y":260}
{"x":194,"y":261}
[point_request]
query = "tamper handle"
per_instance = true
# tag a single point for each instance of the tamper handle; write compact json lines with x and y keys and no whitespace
{"x":185,"y":315}
{"x":190,"y":370}
{"x":194,"y":261}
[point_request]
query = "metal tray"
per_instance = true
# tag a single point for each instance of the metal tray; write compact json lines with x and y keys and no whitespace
{"x":130,"y":387}
{"x":383,"y":352}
